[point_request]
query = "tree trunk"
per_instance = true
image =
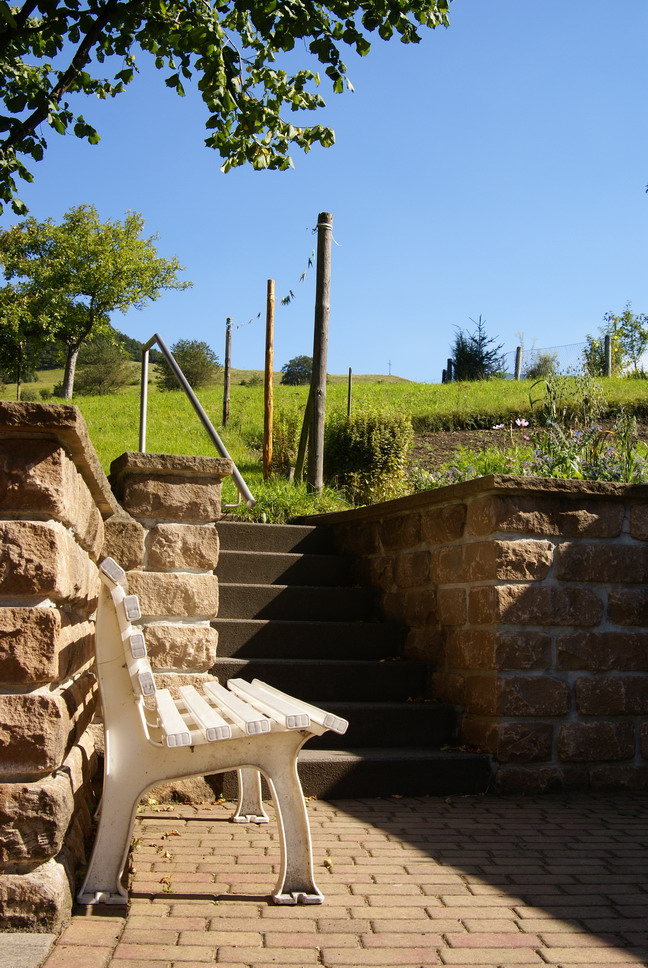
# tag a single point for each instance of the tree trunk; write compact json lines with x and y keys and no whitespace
{"x":70,"y":367}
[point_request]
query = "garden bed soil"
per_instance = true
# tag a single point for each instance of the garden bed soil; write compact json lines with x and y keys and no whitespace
{"x":431,"y":450}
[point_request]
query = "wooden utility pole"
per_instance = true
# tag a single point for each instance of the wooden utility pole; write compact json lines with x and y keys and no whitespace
{"x":269,"y":363}
{"x":349,"y":393}
{"x":228,"y":367}
{"x":315,"y":478}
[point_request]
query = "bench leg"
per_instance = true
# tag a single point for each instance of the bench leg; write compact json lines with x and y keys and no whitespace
{"x":296,"y":883}
{"x":102,"y":884}
{"x":250,"y":805}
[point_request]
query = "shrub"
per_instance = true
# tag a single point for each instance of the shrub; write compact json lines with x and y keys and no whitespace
{"x":197,"y":361}
{"x":103,"y":368}
{"x":366,"y":454}
{"x":29,"y":394}
{"x":541,"y":365}
{"x":286,"y":429}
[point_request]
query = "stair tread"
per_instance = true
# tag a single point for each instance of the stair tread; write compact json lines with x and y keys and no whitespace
{"x":381,"y":753}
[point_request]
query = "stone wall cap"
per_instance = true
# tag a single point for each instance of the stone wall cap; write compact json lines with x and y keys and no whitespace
{"x":491,"y":484}
{"x":65,"y":424}
{"x":178,"y":464}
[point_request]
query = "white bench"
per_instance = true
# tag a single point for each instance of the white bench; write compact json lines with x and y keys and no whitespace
{"x":152,"y":737}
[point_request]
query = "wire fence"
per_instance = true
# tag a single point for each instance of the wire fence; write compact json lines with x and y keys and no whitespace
{"x":537,"y":362}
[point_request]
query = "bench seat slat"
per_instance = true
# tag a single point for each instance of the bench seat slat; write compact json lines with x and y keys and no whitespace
{"x":247,"y":717}
{"x":211,"y":723}
{"x":172,"y":723}
{"x":320,"y":716}
{"x":284,"y":709}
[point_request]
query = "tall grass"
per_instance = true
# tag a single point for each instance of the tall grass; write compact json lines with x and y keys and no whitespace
{"x":173,"y":427}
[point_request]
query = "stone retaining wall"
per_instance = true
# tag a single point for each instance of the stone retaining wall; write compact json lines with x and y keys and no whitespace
{"x":53,"y":499}
{"x":529,"y":597}
{"x":58,"y":519}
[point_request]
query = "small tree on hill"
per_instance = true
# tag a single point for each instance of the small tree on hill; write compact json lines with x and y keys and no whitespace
{"x":197,"y":361}
{"x":474,"y":355}
{"x":83,"y":270}
{"x":298,"y":371}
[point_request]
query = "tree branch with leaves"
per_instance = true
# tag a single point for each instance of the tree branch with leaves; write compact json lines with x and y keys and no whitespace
{"x":53,"y":49}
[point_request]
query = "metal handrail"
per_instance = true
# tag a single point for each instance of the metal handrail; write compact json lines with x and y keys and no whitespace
{"x":243,"y":489}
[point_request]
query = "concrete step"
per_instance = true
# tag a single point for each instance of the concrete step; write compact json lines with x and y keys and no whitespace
{"x":281,"y":538}
{"x":417,"y":724}
{"x":332,"y":680}
{"x":275,"y":568}
{"x":401,"y":771}
{"x":397,"y":771}
{"x":278,"y":639}
{"x":296,"y":602}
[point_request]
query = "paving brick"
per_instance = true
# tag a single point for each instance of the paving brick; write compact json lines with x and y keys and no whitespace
{"x":166,"y":952}
{"x":597,"y":956}
{"x":402,"y":939}
{"x":492,"y":939}
{"x":78,"y":956}
{"x":421,"y":957}
{"x":495,"y":957}
{"x":92,"y":931}
{"x":270,"y":956}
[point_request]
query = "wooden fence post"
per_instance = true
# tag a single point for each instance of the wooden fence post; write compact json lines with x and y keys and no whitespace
{"x":518,"y":362}
{"x":349,"y":393}
{"x":315,"y":477}
{"x":269,"y":362}
{"x":226,"y":373}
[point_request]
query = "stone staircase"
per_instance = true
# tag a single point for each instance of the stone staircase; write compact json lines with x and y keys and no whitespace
{"x":291,"y":614}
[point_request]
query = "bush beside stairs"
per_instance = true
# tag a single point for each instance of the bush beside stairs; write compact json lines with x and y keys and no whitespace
{"x":292,"y":614}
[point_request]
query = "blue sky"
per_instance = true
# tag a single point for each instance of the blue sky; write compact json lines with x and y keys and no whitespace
{"x":499,"y":168}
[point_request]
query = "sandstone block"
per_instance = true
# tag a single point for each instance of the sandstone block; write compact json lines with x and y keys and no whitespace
{"x":449,"y":687}
{"x":510,"y":742}
{"x":169,"y":487}
{"x":40,"y":900}
{"x":42,"y":645}
{"x":178,"y":595}
{"x":516,"y":696}
{"x":377,"y":571}
{"x":37,"y":728}
{"x":173,"y":680}
{"x":643,"y":740}
{"x":412,"y":570}
{"x":173,"y":547}
{"x":34,"y":733}
{"x":534,"y":605}
{"x":639,"y":522}
{"x":35,"y":817}
{"x":124,"y":541}
{"x":530,"y":782}
{"x":416,"y":606}
{"x":182,"y":647}
{"x":628,"y":606}
{"x":545,"y":515}
{"x":502,"y":650}
{"x":424,"y":644}
{"x":441,"y":525}
{"x":599,"y":741}
{"x":597,"y":562}
{"x":363,"y":539}
{"x":44,"y":560}
{"x":603,"y":651}
{"x":452,"y":606}
{"x":521,"y":560}
{"x":401,"y":533}
{"x":600,"y":697}
{"x":624,"y":776}
{"x":38,"y":478}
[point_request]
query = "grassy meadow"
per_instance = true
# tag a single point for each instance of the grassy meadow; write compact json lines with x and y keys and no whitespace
{"x":173,"y":427}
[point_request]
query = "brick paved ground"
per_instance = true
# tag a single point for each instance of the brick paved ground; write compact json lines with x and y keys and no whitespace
{"x":464,"y":881}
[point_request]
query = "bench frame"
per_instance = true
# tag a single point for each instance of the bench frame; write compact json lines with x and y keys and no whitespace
{"x":136,"y":760}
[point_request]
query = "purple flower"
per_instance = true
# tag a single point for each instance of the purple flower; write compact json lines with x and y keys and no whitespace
{"x":521,"y":422}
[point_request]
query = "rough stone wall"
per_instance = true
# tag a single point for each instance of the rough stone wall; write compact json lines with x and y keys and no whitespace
{"x":170,"y":553}
{"x":530,"y":600}
{"x":51,"y":534}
